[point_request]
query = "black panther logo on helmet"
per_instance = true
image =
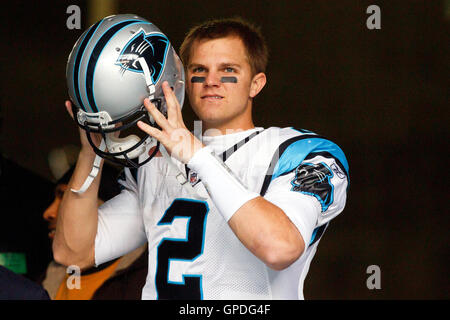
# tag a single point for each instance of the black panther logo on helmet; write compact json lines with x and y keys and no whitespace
{"x":151,"y":47}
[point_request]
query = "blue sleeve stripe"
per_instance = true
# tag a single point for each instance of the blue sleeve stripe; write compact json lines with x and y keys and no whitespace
{"x":293,"y":151}
{"x":276,"y":157}
{"x":299,"y":150}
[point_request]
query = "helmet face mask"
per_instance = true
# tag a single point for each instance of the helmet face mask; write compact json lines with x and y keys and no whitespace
{"x":113,"y":67}
{"x":122,"y":151}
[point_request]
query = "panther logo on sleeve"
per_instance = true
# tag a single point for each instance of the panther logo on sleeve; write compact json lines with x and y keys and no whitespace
{"x":314,"y":179}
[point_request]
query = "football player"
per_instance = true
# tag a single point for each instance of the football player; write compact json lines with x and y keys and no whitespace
{"x":234,"y":212}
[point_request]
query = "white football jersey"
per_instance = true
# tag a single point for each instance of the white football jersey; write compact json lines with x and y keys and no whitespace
{"x":193,"y":253}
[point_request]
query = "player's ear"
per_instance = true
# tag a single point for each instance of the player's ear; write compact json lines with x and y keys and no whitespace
{"x":258,"y":82}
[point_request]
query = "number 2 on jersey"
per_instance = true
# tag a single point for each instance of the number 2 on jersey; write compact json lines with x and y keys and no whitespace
{"x":187,"y":249}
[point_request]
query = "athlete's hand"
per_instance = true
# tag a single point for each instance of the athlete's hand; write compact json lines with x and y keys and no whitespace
{"x":174,"y":136}
{"x":86,"y":148}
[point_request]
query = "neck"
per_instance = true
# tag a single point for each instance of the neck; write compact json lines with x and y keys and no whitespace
{"x":222,"y":127}
{"x":215,"y":130}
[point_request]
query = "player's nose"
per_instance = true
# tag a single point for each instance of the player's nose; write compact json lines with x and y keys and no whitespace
{"x":212,"y":79}
{"x":51,"y":213}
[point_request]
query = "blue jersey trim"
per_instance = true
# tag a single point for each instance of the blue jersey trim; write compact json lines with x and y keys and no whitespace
{"x":296,"y":152}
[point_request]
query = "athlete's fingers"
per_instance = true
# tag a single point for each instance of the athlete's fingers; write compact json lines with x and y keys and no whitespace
{"x":152,"y":131}
{"x":156,"y":114}
{"x":172,"y":102}
{"x":180,"y":116}
{"x":169,"y":93}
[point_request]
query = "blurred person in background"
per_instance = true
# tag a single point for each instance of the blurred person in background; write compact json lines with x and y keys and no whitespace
{"x":122,"y":278}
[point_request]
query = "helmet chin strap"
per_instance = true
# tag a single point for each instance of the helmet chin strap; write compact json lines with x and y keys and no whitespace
{"x":94,"y":171}
{"x":113,"y":144}
{"x":148,"y":78}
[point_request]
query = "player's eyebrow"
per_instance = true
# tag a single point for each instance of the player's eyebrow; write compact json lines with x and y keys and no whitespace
{"x":230,"y":64}
{"x":195,"y":65}
{"x":221,"y":65}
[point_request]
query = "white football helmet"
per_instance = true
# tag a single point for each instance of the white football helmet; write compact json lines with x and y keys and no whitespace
{"x":115,"y":64}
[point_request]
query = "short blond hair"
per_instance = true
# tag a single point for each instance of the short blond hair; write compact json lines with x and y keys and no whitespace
{"x":255,"y":45}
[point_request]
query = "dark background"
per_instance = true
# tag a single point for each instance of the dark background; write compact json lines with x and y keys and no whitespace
{"x":382,"y":95}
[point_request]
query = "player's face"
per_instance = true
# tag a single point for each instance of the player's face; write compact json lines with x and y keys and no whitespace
{"x":221,"y":94}
{"x":51,"y":213}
